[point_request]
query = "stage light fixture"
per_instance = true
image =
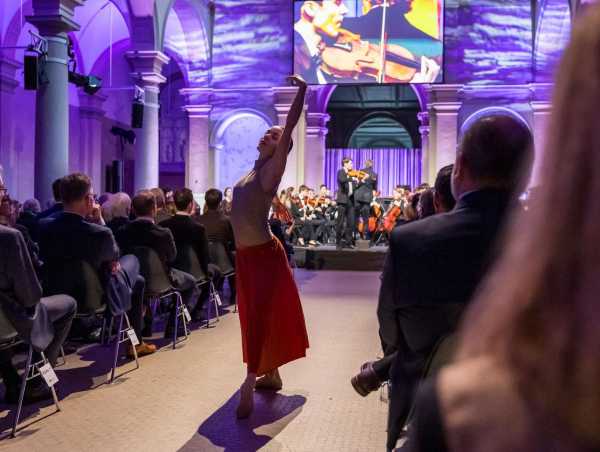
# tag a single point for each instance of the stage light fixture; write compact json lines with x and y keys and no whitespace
{"x":90,"y":83}
{"x":126,"y":135}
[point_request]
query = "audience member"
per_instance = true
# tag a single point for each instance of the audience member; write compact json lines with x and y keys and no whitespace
{"x":225,"y":207}
{"x":78,"y":234}
{"x":217,"y":225}
{"x":434,"y":265}
{"x":143,"y":231}
{"x":443,"y":199}
{"x":526,"y":372}
{"x":57,"y":207}
{"x":43,"y":322}
{"x":118,"y":210}
{"x":425,"y":207}
{"x":161,"y":205}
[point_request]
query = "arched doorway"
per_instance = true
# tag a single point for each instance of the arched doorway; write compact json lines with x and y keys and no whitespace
{"x":380,"y":131}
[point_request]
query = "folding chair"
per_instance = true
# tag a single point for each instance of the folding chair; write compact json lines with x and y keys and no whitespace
{"x":220,"y":257}
{"x":159,"y":287}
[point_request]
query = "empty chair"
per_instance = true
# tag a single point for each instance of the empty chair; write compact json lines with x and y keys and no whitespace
{"x":159,"y":287}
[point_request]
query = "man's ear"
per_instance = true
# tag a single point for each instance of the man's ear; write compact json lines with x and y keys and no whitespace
{"x":309,"y":9}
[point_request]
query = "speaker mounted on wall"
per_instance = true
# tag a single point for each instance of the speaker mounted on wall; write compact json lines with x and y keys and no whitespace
{"x":137,"y":108}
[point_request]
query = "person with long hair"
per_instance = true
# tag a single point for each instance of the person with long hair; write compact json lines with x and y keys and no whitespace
{"x":271,"y":317}
{"x":225,"y":206}
{"x":526,"y":372}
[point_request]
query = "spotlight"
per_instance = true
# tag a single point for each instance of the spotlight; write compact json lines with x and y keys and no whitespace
{"x":90,"y":83}
{"x":126,"y":135}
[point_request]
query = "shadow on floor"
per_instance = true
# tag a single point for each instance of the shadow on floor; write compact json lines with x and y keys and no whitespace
{"x":222,"y":431}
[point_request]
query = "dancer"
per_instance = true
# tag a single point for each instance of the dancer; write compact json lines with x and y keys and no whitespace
{"x":271,"y":317}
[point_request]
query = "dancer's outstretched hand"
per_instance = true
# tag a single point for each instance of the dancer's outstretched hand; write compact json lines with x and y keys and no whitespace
{"x":297,"y":80}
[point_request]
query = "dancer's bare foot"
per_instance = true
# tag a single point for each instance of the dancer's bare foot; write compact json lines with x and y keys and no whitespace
{"x":246,"y":405}
{"x":270,"y":382}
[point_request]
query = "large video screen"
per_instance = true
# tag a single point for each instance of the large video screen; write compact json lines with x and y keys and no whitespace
{"x":369,"y":41}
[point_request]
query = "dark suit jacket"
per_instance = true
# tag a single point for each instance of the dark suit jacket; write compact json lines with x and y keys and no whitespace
{"x":117,"y":223}
{"x":70,"y":237}
{"x":186,"y":231}
{"x":142,"y":232}
{"x":344,"y":183}
{"x":218,"y":228}
{"x":364,"y":192}
{"x":21,"y":292}
{"x":51,"y":211}
{"x":437,"y":261}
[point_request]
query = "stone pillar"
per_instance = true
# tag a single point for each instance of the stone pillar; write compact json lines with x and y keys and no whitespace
{"x":53,"y":19}
{"x":89,"y":153}
{"x":314,"y":152}
{"x":199,"y":159}
{"x":444,"y":105}
{"x":424,"y":131}
{"x":542,"y":111}
{"x":294,"y":172}
{"x":147,"y":74}
{"x":8,"y":158}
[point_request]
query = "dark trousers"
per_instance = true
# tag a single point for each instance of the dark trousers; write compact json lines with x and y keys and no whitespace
{"x":61,"y":311}
{"x":131,"y":267}
{"x":345,"y":223}
{"x":186,"y":285}
{"x":363,"y":210}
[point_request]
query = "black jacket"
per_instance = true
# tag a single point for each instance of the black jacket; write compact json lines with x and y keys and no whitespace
{"x":145,"y":233}
{"x":218,"y":228}
{"x":186,"y":231}
{"x":344,"y":184}
{"x":364,"y":192}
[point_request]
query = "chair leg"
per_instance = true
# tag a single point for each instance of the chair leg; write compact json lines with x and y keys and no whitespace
{"x":176,"y":321}
{"x":135,"y":355}
{"x":215,"y":301}
{"x":183,"y":318}
{"x":62,"y":357}
{"x":54,"y":396}
{"x":117,"y":344}
{"x":22,"y":391}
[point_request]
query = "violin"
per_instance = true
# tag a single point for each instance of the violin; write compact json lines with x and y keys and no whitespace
{"x":358,"y":174}
{"x":357,"y":59}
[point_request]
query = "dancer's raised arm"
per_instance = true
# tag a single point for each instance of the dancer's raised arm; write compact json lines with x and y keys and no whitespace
{"x":272,"y":171}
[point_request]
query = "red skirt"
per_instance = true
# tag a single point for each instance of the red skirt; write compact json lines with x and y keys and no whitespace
{"x":271,"y":317}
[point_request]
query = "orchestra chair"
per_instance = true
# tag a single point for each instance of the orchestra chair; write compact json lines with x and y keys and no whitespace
{"x":187,"y":261}
{"x":82,"y":282}
{"x":9,"y":338}
{"x":219,"y":257}
{"x":159,"y":288}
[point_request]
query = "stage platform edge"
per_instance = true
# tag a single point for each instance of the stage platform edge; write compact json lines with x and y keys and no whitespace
{"x":327,"y":257}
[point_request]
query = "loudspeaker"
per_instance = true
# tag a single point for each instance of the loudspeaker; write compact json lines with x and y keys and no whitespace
{"x":117,"y":176}
{"x":137,"y":115}
{"x":31,"y":72}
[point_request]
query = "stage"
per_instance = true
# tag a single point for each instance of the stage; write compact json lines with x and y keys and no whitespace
{"x":326,"y":257}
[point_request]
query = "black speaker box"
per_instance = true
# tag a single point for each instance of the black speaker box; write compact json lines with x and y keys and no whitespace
{"x":137,"y":115}
{"x":31,"y":72}
{"x":117,"y":176}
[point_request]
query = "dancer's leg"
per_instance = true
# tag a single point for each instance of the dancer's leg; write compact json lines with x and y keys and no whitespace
{"x":246,"y":396}
{"x":271,"y":381}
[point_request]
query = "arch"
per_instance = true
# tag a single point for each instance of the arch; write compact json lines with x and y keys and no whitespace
{"x":233,"y":141}
{"x":387,"y":132}
{"x":489,"y":111}
{"x":374,"y":115}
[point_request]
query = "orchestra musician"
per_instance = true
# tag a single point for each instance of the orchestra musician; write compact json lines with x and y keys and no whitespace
{"x":346,"y":223}
{"x":364,"y":195}
{"x":318,"y":20}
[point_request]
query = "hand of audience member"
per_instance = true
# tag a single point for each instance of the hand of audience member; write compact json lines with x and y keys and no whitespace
{"x":96,"y":214}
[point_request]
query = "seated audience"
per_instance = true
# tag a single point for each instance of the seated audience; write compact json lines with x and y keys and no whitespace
{"x":143,"y":231}
{"x":28,"y":216}
{"x":434,"y":265}
{"x":526,"y":372}
{"x":161,"y":205}
{"x":116,"y":211}
{"x":42,"y":321}
{"x":57,"y":207}
{"x":78,"y":233}
{"x":425,"y":206}
{"x":217,"y":225}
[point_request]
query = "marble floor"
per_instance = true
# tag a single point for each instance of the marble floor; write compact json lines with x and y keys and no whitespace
{"x":185,"y":399}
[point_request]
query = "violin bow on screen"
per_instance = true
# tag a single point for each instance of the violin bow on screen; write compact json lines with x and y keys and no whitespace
{"x":383,"y":43}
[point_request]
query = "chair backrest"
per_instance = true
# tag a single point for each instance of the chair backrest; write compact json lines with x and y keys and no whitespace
{"x":153,"y":271}
{"x":7,"y":330}
{"x":78,"y":279}
{"x":187,"y":261}
{"x":442,"y":355}
{"x":219,"y":257}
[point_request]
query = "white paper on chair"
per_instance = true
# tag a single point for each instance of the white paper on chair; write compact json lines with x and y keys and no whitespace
{"x":133,"y":337}
{"x":48,"y":374}
{"x":217,"y":298}
{"x":186,"y":313}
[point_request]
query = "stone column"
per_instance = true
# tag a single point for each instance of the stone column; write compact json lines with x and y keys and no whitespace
{"x":147,"y":74}
{"x":444,"y":105}
{"x":89,"y":153}
{"x":314,"y":152}
{"x":294,"y":172}
{"x":8,"y":84}
{"x":424,"y":131}
{"x":53,"y":19}
{"x":199,"y":159}
{"x":542,"y":110}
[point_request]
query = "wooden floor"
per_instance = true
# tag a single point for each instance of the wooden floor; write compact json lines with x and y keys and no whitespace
{"x":185,"y":399}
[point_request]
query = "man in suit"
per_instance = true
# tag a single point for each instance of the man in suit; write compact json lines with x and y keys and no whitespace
{"x":318,"y":20}
{"x":188,"y":232}
{"x":434,"y":265}
{"x":143,"y":231}
{"x":78,"y":233}
{"x":57,"y":207}
{"x":345,"y":206}
{"x":43,"y":322}
{"x":364,"y":193}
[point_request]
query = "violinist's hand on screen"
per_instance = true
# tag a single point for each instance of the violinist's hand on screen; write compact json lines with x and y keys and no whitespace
{"x":297,"y":80}
{"x":429,"y":71}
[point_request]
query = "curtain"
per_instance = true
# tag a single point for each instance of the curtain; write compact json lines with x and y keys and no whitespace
{"x":393,"y":166}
